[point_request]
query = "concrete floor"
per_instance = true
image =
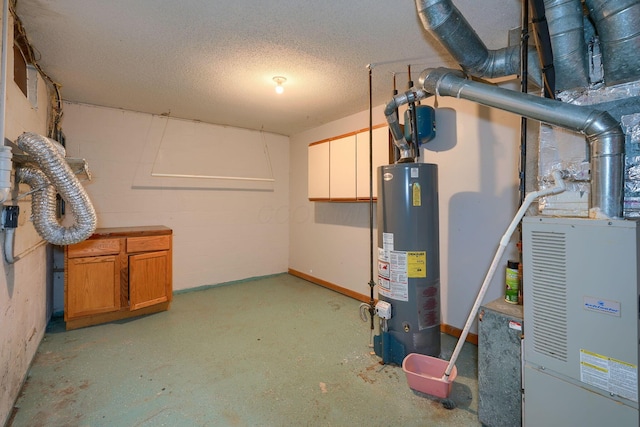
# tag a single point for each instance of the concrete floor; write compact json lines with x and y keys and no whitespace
{"x":278,"y":351}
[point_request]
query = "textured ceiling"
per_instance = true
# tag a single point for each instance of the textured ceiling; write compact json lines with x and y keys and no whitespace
{"x":214,"y":60}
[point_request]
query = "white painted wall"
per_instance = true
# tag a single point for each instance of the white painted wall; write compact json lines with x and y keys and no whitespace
{"x":220,"y":235}
{"x":477,"y":152}
{"x":25,"y":284}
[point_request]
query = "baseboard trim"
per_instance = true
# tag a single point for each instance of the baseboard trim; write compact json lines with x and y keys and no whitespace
{"x":447,"y":329}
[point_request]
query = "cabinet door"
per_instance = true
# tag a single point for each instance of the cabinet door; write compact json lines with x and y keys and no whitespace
{"x":342,"y":168}
{"x":318,"y":175}
{"x":93,"y":286}
{"x":149,"y":279}
{"x":380,"y":143}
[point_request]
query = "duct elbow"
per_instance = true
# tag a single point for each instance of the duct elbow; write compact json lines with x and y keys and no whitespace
{"x":499,"y":63}
{"x":432,"y":80}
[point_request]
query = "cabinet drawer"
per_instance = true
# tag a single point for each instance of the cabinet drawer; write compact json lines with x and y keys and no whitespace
{"x":148,"y":243}
{"x":94,"y":248}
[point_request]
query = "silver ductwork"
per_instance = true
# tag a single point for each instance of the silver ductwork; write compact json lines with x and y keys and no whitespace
{"x":617,"y":24}
{"x":55,"y":176}
{"x":603,"y":132}
{"x":566,"y":30}
{"x":445,"y":23}
{"x":408,"y":152}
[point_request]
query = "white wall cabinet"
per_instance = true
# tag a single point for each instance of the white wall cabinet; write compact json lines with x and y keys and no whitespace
{"x":318,"y":167}
{"x":380,"y":144}
{"x":342,"y":171}
{"x":339,"y":167}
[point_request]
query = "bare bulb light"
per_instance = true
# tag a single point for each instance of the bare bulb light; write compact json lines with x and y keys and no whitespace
{"x":279,"y":82}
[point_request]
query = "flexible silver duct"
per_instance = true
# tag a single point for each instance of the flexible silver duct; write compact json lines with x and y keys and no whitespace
{"x":54,"y":177}
{"x":617,"y":25}
{"x":566,"y":30}
{"x":445,"y":22}
{"x":603,"y":132}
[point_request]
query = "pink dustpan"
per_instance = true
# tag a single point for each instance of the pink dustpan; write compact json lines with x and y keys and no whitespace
{"x":426,"y":374}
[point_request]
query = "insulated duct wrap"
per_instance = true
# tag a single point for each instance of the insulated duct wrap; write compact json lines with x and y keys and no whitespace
{"x":55,"y":176}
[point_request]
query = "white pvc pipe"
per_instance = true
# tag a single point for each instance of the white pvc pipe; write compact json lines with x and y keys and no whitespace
{"x":559,"y":188}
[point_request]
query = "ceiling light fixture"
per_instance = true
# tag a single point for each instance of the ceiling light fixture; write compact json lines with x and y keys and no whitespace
{"x":279,"y":81}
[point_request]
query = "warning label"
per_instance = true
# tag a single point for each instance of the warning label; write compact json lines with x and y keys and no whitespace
{"x":614,"y":376}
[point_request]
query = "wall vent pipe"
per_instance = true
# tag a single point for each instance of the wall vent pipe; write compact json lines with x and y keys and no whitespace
{"x":447,"y":25}
{"x":603,"y":132}
{"x":617,"y":24}
{"x":55,"y":176}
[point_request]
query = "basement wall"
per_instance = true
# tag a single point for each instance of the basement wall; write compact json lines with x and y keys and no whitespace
{"x":477,"y":153}
{"x":24,"y":285}
{"x":220,"y":234}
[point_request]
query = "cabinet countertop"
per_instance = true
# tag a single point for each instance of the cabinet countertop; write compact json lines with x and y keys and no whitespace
{"x":145,"y":230}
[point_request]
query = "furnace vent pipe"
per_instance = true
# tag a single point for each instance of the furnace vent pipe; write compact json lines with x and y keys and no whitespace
{"x":55,"y":176}
{"x":617,"y":24}
{"x":447,"y":25}
{"x":603,"y":132}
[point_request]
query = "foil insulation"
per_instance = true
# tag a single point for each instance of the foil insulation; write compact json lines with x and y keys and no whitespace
{"x":55,"y":177}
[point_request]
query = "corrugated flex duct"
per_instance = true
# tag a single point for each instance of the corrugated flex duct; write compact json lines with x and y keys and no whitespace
{"x":55,"y":176}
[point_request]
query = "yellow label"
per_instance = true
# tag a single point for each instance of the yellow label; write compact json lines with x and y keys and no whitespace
{"x":417,"y":196}
{"x":416,"y":264}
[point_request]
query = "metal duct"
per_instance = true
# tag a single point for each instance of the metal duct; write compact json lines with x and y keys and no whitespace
{"x":566,"y":30}
{"x":445,"y":22}
{"x":54,"y":177}
{"x":603,"y":132}
{"x":408,"y":152}
{"x":617,"y":24}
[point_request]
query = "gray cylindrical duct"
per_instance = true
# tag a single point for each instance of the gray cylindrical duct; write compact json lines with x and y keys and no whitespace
{"x":601,"y":129}
{"x":445,"y":22}
{"x":408,"y":254}
{"x":55,"y":176}
{"x":566,"y":30}
{"x":617,"y":24}
{"x":408,"y":152}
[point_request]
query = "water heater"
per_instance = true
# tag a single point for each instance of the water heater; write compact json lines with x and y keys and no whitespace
{"x":408,"y":260}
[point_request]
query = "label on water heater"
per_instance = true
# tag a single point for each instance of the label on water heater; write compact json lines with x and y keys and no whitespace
{"x":417,"y":264}
{"x":417,"y":195}
{"x":393,"y":279}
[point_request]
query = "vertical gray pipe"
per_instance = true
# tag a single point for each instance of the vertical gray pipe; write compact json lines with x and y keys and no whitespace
{"x":617,"y":24}
{"x":566,"y":30}
{"x":603,"y":132}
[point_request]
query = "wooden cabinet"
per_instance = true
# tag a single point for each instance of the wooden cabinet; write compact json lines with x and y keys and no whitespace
{"x":339,"y":167}
{"x":118,"y":273}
